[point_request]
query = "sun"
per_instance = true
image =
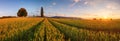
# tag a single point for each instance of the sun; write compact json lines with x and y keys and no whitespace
{"x":105,"y":17}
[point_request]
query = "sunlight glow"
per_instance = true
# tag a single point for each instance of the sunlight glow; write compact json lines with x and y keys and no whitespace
{"x":104,"y":14}
{"x":105,"y":17}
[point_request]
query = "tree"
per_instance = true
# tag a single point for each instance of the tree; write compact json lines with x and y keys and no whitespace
{"x":42,"y":12}
{"x":94,"y":19}
{"x":22,"y":12}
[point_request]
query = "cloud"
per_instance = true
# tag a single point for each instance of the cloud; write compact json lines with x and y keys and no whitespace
{"x":76,"y":1}
{"x":97,"y":8}
{"x":85,"y":3}
{"x":72,"y":4}
{"x":112,"y":6}
{"x":50,"y":6}
{"x":92,"y":3}
{"x":53,"y":3}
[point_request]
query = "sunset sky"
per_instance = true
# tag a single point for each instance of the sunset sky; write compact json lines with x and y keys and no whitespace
{"x":70,"y":8}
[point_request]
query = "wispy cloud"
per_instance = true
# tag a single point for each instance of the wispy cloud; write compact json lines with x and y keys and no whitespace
{"x":75,"y":2}
{"x":112,"y":6}
{"x":53,"y":3}
{"x":85,"y":3}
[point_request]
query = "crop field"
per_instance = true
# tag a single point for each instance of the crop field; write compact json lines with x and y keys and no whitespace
{"x":58,"y":29}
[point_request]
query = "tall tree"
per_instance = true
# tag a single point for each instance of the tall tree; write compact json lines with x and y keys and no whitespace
{"x":42,"y":12}
{"x":22,"y":12}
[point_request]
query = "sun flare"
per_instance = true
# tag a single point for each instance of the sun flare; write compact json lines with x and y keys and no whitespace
{"x":105,"y":17}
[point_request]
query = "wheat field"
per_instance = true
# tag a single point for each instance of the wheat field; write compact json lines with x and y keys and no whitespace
{"x":58,"y":29}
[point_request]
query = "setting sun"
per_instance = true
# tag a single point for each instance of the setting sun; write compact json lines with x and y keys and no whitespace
{"x":105,"y":17}
{"x":104,"y":14}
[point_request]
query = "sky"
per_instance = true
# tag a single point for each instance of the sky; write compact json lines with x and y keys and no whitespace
{"x":68,"y":8}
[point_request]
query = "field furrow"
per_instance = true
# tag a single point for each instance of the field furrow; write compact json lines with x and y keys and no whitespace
{"x":69,"y":32}
{"x":40,"y":33}
{"x":51,"y":33}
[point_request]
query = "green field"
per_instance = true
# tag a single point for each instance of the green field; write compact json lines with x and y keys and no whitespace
{"x":58,"y":29}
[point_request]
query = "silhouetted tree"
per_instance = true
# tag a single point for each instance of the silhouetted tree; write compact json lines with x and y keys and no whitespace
{"x":100,"y":18}
{"x":22,"y":12}
{"x":111,"y":19}
{"x":42,"y":12}
{"x":94,"y":18}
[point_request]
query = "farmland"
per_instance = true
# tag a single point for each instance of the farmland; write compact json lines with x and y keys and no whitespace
{"x":58,"y":29}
